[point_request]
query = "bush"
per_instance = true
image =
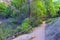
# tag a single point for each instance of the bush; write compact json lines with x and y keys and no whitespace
{"x":3,"y":7}
{"x":6,"y":12}
{"x":25,"y":26}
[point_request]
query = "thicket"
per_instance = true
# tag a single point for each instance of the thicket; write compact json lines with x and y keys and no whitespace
{"x":26,"y":14}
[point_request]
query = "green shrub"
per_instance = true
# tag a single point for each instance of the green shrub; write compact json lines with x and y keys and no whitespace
{"x":14,"y":14}
{"x":6,"y":12}
{"x":2,"y":7}
{"x":25,"y":26}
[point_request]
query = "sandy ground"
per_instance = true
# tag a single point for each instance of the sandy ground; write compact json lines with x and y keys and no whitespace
{"x":38,"y":33}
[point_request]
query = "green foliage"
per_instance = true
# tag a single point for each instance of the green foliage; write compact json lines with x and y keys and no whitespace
{"x":4,"y":31}
{"x":51,"y":8}
{"x":7,"y":11}
{"x":18,"y":8}
{"x":37,"y":7}
{"x":57,"y":5}
{"x":2,"y":7}
{"x":38,"y":11}
{"x":42,"y":10}
{"x":25,"y":26}
{"x":0,"y":33}
{"x":17,"y":3}
{"x":14,"y":14}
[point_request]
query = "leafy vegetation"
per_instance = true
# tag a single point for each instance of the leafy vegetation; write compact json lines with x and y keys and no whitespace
{"x":24,"y":14}
{"x":2,"y":7}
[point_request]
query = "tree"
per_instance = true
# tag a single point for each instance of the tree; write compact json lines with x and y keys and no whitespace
{"x":50,"y":8}
{"x":38,"y":11}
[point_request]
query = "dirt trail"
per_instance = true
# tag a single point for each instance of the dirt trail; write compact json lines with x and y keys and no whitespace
{"x":38,"y":33}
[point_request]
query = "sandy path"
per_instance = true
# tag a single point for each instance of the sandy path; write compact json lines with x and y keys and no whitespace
{"x":37,"y":34}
